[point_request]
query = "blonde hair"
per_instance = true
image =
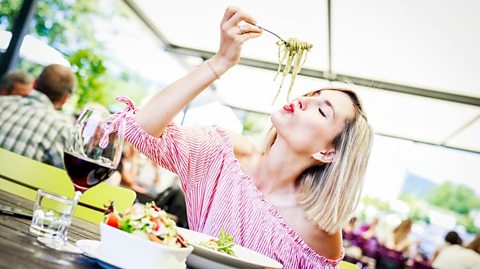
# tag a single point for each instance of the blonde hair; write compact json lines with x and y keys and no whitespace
{"x":402,"y":230}
{"x":329,"y":193}
{"x":475,"y":244}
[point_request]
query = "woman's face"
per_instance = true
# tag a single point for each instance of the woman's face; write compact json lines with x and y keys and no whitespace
{"x":309,"y":124}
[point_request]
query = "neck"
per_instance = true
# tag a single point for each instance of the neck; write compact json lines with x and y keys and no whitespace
{"x":278,"y":170}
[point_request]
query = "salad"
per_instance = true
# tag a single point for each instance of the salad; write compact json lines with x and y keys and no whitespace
{"x":148,"y":222}
{"x":223,"y":244}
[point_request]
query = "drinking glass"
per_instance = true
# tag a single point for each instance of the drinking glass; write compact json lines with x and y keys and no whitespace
{"x":94,"y":149}
{"x":52,"y":215}
{"x":91,"y":155}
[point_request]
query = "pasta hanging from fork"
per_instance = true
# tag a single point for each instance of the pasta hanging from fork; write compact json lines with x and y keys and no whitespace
{"x":292,"y":53}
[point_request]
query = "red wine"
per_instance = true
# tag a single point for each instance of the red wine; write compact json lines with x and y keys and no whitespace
{"x":85,"y":173}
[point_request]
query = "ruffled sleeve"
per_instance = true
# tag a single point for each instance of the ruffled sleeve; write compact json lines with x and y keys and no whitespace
{"x":194,"y":154}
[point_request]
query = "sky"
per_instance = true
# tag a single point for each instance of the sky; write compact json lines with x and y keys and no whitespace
{"x":392,"y":158}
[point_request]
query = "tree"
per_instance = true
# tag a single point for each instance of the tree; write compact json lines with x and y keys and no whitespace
{"x":7,"y":9}
{"x":67,"y":26}
{"x":90,"y":77}
{"x":418,"y":207}
{"x":377,"y":203}
{"x":457,"y":198}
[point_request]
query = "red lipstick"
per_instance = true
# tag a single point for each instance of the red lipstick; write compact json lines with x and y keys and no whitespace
{"x":289,"y":107}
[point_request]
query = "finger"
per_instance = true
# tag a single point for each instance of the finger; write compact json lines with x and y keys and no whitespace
{"x":229,"y":12}
{"x":248,"y":36}
{"x":237,"y":18}
{"x":248,"y":28}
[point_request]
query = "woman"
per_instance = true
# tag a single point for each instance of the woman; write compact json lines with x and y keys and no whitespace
{"x":288,"y":201}
{"x":399,"y":239}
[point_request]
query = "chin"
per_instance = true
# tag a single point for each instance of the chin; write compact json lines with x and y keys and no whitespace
{"x":275,"y":118}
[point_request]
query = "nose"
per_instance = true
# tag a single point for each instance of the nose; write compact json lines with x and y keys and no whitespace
{"x":302,"y":103}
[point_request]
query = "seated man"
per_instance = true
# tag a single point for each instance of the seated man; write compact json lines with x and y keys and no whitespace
{"x":16,"y":83}
{"x":32,"y":126}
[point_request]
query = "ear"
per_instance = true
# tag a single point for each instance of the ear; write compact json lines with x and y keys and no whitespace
{"x":58,"y":105}
{"x":324,"y":156}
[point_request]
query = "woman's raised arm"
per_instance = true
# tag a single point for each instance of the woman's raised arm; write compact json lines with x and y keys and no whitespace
{"x":163,"y":107}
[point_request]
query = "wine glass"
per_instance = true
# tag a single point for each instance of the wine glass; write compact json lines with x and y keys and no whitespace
{"x":91,"y":155}
{"x":94,"y":148}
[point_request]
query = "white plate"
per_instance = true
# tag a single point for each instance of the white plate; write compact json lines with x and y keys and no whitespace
{"x":67,"y":247}
{"x":203,"y":257}
{"x":90,"y":249}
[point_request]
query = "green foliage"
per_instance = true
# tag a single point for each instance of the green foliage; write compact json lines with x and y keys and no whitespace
{"x":418,"y":207}
{"x":8,"y":9}
{"x":457,"y":198}
{"x":90,"y":73}
{"x":254,"y":125}
{"x":377,"y":203}
{"x":33,"y":69}
{"x":128,"y":85}
{"x":67,"y":26}
{"x":469,"y":225}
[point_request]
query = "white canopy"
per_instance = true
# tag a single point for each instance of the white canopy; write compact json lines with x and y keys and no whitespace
{"x":418,"y":61}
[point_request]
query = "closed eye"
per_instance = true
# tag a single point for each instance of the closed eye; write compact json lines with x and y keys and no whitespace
{"x":321,"y":112}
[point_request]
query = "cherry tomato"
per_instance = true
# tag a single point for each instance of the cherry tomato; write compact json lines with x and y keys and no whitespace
{"x":112,"y":220}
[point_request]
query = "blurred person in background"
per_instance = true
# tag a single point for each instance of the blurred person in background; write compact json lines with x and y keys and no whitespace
{"x":288,"y":200}
{"x":152,"y":183}
{"x":475,"y":244}
{"x":350,"y":228}
{"x":33,"y":126}
{"x":16,"y":83}
{"x":451,"y":238}
{"x":459,"y":257}
{"x":128,"y":168}
{"x":368,"y":231}
{"x":399,"y":238}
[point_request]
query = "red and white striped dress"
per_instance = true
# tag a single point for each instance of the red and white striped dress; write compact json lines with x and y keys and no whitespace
{"x":219,"y":195}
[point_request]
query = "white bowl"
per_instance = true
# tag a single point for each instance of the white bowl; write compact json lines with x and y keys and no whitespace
{"x":124,"y":250}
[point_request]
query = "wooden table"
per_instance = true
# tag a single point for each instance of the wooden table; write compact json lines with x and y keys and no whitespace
{"x":20,"y":249}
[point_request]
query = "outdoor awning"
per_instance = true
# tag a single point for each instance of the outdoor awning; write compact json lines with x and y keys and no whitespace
{"x":415,"y":64}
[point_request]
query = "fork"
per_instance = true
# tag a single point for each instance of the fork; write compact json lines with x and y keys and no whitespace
{"x":283,"y":40}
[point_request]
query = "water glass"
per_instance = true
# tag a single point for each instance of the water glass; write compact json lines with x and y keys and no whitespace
{"x":52,"y":214}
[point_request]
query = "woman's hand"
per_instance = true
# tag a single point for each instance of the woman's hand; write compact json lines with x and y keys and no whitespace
{"x":236,"y":28}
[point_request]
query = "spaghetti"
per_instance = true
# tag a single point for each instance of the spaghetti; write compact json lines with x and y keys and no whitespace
{"x":292,"y":53}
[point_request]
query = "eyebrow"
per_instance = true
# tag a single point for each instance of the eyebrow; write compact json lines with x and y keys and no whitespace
{"x":331,"y":106}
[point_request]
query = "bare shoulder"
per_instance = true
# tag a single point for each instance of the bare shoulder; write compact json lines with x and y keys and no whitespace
{"x":328,"y":245}
{"x":325,"y":244}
